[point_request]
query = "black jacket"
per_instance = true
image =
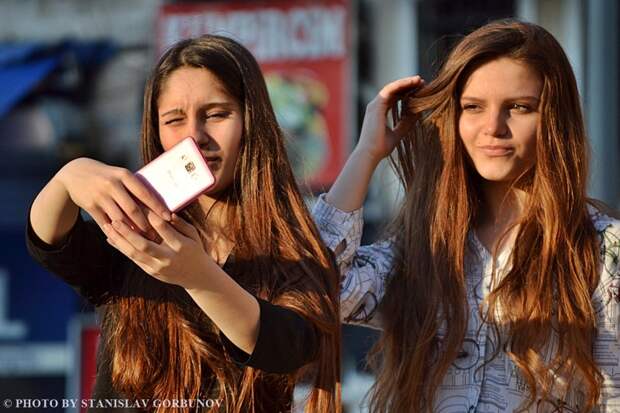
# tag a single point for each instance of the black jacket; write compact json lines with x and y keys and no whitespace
{"x":86,"y":262}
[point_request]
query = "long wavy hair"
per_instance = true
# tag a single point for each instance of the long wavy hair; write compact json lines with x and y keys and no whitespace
{"x":555,"y":256}
{"x":161,"y":345}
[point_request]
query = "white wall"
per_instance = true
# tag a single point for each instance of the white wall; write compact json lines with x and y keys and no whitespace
{"x":128,"y":22}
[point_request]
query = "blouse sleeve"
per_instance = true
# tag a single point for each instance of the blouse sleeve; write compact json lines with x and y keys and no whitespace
{"x":364,"y":269}
{"x":285,"y":343}
{"x":83,"y":260}
{"x":606,"y":304}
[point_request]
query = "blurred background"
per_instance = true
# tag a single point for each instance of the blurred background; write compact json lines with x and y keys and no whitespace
{"x":72,"y":74}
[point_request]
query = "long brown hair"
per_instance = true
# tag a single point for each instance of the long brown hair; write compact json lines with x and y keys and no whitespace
{"x":161,"y":345}
{"x":555,"y":255}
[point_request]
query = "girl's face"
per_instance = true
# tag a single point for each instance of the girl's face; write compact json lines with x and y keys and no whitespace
{"x":499,"y":117}
{"x":193,"y":102}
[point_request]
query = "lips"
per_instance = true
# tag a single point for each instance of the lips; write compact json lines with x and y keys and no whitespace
{"x":213,"y":162}
{"x":211,"y":158}
{"x":496,"y":150}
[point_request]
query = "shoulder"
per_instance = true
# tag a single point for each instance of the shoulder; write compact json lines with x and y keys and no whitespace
{"x":608,"y":229}
{"x":607,"y":294}
{"x":604,"y":219}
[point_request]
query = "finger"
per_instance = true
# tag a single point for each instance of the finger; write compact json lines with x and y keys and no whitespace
{"x":169,"y":234}
{"x":393,"y":90}
{"x":131,"y":208}
{"x":116,"y":239}
{"x":395,"y":114}
{"x":100,"y":217}
{"x":112,"y":210}
{"x":124,"y":248}
{"x":184,"y":227}
{"x":145,"y":195}
{"x":141,"y":248}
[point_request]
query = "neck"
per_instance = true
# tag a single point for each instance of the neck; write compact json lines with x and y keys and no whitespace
{"x":501,"y":208}
{"x":502,"y":204}
{"x":218,"y":243}
{"x":212,"y":209}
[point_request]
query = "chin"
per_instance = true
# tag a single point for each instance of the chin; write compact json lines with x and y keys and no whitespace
{"x":214,"y":190}
{"x":496,"y":174}
{"x":219,"y":189}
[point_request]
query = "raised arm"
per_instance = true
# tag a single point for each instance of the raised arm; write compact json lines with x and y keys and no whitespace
{"x":338,"y":214}
{"x":60,"y":241}
{"x":376,"y":142}
{"x":106,"y":192}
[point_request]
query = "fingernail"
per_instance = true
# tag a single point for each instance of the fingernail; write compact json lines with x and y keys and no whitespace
{"x":106,"y":226}
{"x":167,"y":216}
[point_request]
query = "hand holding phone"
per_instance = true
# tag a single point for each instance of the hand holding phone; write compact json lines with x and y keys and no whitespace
{"x":179,"y":175}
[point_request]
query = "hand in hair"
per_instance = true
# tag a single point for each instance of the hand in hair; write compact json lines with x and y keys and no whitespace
{"x":377,"y":141}
{"x":376,"y":138}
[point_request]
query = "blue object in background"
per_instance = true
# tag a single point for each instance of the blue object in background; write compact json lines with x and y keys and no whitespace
{"x":24,"y":66}
{"x":17,"y":81}
{"x":35,"y":309}
{"x":35,"y":306}
{"x":36,"y":298}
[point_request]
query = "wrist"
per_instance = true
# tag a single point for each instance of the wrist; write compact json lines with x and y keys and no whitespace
{"x":208,"y":280}
{"x":58,"y":186}
{"x":60,"y":176}
{"x":366,"y":155}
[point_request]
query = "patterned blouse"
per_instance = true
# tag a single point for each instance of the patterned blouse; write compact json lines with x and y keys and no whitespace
{"x":470,"y":385}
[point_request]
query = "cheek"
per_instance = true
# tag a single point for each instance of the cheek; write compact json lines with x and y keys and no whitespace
{"x":467,"y":133}
{"x":168,"y":139}
{"x":233,"y":143}
{"x":526,"y":134}
{"x":232,"y":158}
{"x":530,"y":149}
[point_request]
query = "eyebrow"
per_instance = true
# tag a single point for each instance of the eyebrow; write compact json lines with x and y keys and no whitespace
{"x":525,"y":97}
{"x":210,"y":105}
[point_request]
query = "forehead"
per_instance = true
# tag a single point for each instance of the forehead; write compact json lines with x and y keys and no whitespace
{"x":503,"y":77}
{"x":190,"y":85}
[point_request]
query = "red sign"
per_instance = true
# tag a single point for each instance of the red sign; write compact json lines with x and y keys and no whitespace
{"x":88,"y":359}
{"x":83,"y":341}
{"x":303,"y":49}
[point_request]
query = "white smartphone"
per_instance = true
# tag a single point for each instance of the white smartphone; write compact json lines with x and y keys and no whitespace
{"x":179,"y":175}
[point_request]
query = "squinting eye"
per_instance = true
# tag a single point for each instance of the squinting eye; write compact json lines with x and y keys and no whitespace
{"x":218,"y":115}
{"x":521,"y":108}
{"x":470,"y":107}
{"x":168,"y":122}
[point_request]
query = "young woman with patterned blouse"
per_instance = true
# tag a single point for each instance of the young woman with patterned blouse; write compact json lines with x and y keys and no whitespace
{"x":498,"y":288}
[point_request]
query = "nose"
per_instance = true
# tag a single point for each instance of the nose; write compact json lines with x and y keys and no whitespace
{"x":495,"y":123}
{"x":198,"y":132}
